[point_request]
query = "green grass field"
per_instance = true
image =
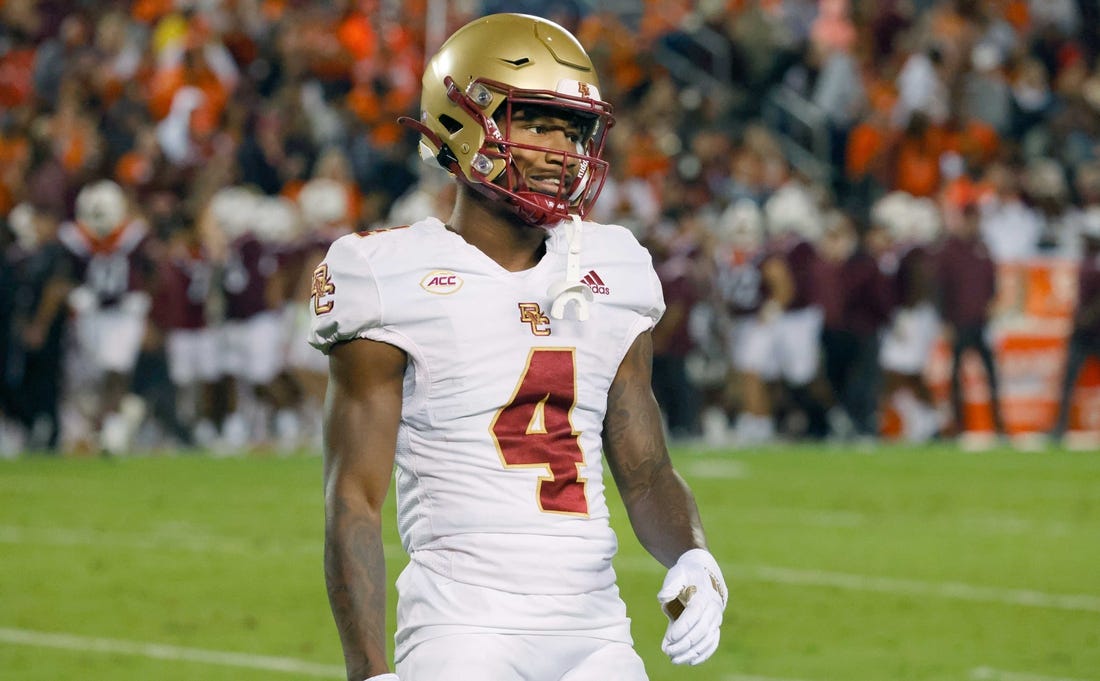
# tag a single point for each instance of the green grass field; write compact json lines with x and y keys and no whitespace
{"x":887,"y":566}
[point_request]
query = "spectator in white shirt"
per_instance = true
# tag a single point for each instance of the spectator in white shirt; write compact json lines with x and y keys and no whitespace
{"x":921,"y":87}
{"x":1010,"y":228}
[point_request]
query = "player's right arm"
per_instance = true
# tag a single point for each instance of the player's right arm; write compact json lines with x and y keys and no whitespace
{"x":662,"y":510}
{"x":780,"y":282}
{"x":362,"y":413}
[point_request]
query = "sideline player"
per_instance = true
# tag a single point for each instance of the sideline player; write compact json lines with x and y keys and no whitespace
{"x":191,"y":342}
{"x":749,"y":281}
{"x":108,"y":245}
{"x":255,"y":228}
{"x":914,"y":226}
{"x":326,"y":215}
{"x":784,"y":347}
{"x":472,"y":356}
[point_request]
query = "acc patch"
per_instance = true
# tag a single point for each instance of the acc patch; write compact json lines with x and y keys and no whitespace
{"x":441,"y":282}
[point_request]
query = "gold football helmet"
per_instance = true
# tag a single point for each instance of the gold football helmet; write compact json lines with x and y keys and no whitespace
{"x":484,"y":72}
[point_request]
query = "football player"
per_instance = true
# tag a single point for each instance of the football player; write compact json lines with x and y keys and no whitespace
{"x":498,"y":360}
{"x":279,"y":229}
{"x":795,"y":226}
{"x":913,"y":226}
{"x":111,"y":268}
{"x":180,"y":307}
{"x":750,"y":282}
{"x":256,"y":229}
{"x":325,"y":205}
{"x":326,"y":215}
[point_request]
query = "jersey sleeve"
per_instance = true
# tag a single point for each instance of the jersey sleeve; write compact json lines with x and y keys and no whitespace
{"x":654,"y":309}
{"x":646,"y":295}
{"x":634,"y":284}
{"x":344,"y":299}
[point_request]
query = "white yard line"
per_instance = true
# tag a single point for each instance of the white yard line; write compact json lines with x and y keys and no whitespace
{"x":714,"y":469}
{"x":986,"y":524}
{"x":761,"y":573}
{"x":912,"y":587}
{"x":160,"y":651}
{"x":193,"y":542}
{"x":991,"y":674}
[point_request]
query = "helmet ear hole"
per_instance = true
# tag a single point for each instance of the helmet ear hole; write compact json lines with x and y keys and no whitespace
{"x":450,"y":124}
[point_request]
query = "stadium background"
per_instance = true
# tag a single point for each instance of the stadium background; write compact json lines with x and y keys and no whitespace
{"x":715,"y":102}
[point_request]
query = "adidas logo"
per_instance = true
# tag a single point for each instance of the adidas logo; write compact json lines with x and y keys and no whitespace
{"x":593,"y":281}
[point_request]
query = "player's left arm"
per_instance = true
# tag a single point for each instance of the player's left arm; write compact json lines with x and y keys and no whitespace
{"x":660,"y":505}
{"x":662,"y":509}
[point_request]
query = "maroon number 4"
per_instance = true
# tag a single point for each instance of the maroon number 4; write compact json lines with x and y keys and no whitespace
{"x":535,"y":429}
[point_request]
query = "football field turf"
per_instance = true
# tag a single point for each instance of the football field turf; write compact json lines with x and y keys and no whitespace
{"x":899,"y":564}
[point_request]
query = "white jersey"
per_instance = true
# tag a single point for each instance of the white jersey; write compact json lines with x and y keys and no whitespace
{"x":499,"y":455}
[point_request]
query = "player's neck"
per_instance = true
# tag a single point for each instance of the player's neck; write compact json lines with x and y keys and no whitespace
{"x":497,"y":232}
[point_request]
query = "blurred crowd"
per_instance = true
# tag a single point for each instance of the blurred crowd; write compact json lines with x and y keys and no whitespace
{"x":172,"y":170}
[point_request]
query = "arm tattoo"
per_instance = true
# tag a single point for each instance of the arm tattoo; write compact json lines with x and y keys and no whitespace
{"x":355,"y":574}
{"x":659,"y":503}
{"x":630,"y":434}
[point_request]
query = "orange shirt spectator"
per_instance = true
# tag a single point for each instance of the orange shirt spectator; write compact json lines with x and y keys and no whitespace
{"x":867,"y":144}
{"x":15,"y":152}
{"x":16,"y":69}
{"x":356,"y":34}
{"x":662,"y":16}
{"x":645,"y":158}
{"x":917,"y":161}
{"x":1018,"y":14}
{"x":973,"y":139}
{"x":167,"y":83}
{"x":151,"y":11}
{"x":869,"y":140}
{"x":617,"y":48}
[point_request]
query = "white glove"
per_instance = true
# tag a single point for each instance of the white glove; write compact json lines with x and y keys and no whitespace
{"x":82,"y":299}
{"x":693,"y":597}
{"x":384,"y":677}
{"x":137,"y":302}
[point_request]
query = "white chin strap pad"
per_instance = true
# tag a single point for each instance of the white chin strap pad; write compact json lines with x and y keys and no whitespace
{"x":571,"y":289}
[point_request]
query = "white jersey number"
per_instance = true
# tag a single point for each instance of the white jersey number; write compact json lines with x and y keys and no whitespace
{"x":535,"y":430}
{"x":109,"y":275}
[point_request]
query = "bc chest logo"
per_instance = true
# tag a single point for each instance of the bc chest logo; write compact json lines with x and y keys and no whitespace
{"x":441,"y":282}
{"x":531,"y":313}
